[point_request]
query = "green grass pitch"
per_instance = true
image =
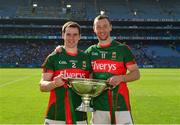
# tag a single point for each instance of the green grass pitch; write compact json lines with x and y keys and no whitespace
{"x":155,"y":98}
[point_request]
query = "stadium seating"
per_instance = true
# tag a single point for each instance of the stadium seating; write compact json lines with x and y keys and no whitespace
{"x":150,"y":27}
{"x":88,"y":9}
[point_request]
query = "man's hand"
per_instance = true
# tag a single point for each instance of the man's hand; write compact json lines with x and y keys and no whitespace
{"x":58,"y":49}
{"x":115,"y":80}
{"x":58,"y":81}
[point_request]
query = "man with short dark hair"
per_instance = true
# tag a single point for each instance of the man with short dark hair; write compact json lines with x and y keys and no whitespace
{"x":72,"y":63}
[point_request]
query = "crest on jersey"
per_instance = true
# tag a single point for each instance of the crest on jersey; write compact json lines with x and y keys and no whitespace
{"x":84,"y":64}
{"x":113,"y":55}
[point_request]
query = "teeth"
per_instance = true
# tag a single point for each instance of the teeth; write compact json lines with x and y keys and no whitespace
{"x":102,"y":34}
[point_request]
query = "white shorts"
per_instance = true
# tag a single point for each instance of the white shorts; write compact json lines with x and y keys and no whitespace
{"x":103,"y":117}
{"x":53,"y":122}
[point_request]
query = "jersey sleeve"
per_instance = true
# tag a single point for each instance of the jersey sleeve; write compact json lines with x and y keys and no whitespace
{"x":48,"y":66}
{"x":87,"y":51}
{"x":128,"y":56}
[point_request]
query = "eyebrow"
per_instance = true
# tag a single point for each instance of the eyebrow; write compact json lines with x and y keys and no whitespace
{"x":72,"y":33}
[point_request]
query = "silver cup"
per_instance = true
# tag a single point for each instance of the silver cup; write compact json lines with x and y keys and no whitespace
{"x":87,"y":88}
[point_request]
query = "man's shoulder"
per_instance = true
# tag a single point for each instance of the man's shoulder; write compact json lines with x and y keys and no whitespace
{"x":53,"y":55}
{"x":81,"y":52}
{"x":83,"y":55}
{"x":119,"y":44}
{"x":92,"y":46}
{"x":89,"y":49}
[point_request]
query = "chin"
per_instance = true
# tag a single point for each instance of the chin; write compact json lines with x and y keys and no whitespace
{"x":103,"y":39}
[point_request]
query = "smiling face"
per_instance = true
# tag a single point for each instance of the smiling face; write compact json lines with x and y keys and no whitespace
{"x":102,"y":29}
{"x":71,"y":34}
{"x":71,"y":37}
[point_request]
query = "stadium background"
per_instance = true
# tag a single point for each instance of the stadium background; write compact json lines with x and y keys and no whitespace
{"x":30,"y":30}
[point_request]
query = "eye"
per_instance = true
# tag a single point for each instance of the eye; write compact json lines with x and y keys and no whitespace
{"x":68,"y":34}
{"x":75,"y":34}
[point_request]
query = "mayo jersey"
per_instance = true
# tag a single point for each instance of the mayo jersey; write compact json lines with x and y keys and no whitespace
{"x":106,"y":62}
{"x":73,"y":66}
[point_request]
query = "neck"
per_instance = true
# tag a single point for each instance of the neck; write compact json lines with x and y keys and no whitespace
{"x":105,"y":43}
{"x":71,"y":51}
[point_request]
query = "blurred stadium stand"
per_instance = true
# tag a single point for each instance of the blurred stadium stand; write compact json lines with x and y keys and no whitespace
{"x":30,"y":29}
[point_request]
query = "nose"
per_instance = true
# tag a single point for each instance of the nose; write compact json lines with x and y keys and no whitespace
{"x":71,"y":38}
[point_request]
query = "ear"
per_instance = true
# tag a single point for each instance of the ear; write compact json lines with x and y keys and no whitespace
{"x":79,"y":36}
{"x":94,"y":28}
{"x":62,"y":35}
{"x":110,"y":27}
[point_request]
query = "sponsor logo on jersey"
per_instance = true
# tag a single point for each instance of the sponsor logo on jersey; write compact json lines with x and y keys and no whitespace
{"x":103,"y":66}
{"x":72,"y":74}
{"x":62,"y":62}
{"x":108,"y":66}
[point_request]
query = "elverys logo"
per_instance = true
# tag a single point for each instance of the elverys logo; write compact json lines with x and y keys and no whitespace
{"x":105,"y":67}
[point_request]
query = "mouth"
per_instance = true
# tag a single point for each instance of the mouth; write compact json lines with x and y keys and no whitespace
{"x":71,"y":42}
{"x":102,"y":34}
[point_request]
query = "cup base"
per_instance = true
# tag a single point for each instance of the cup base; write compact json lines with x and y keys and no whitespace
{"x":83,"y":108}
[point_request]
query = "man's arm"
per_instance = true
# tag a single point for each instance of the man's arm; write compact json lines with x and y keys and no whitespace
{"x":47,"y":85}
{"x":132,"y":75}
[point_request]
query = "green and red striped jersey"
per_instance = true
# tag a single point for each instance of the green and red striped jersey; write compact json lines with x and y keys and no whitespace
{"x":106,"y":62}
{"x":73,"y":66}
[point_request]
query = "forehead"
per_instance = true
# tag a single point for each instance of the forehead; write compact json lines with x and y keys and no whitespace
{"x":72,"y":30}
{"x":101,"y":21}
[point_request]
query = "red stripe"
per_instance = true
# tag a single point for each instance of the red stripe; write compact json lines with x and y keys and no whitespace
{"x":104,"y":45}
{"x":123,"y":90}
{"x":72,"y":54}
{"x":110,"y":98}
{"x":110,"y":101}
{"x":130,"y":63}
{"x":52,"y":99}
{"x":67,"y":108}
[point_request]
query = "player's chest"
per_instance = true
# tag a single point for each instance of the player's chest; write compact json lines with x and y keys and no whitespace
{"x":64,"y":63}
{"x":105,"y":54}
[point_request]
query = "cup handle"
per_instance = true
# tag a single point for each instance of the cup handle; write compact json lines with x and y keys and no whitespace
{"x":108,"y":86}
{"x":66,"y":80}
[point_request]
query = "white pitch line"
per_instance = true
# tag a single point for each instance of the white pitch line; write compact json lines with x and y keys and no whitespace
{"x":17,"y":80}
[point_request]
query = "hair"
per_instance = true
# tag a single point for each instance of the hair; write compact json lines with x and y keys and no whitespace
{"x":71,"y":24}
{"x":100,"y":17}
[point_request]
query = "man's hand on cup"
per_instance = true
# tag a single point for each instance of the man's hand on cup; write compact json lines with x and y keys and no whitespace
{"x":116,"y":80}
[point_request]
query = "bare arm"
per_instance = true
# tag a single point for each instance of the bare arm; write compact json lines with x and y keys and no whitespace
{"x":133,"y":75}
{"x":47,"y":85}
